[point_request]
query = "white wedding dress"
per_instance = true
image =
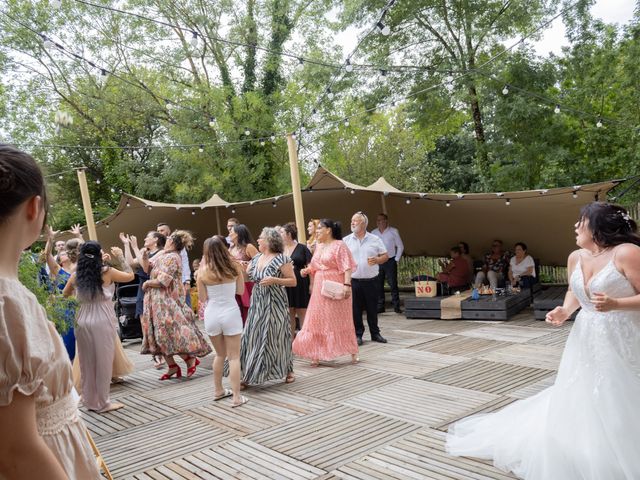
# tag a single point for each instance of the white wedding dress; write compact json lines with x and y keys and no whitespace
{"x":585,"y":426}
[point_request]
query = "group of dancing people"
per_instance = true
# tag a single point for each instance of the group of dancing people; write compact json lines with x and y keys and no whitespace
{"x":584,"y":426}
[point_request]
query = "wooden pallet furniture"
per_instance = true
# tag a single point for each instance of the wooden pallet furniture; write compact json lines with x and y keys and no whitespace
{"x":500,"y":308}
{"x":548,"y":299}
{"x":423,"y":307}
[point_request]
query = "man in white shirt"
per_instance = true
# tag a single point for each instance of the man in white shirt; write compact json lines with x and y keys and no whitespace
{"x":165,"y":230}
{"x":389,"y":269}
{"x":369,"y":252}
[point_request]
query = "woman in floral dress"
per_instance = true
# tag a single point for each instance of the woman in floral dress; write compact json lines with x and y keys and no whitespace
{"x":328,"y":330}
{"x":168,"y":323}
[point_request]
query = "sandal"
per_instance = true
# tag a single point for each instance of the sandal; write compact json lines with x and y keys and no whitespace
{"x":227,"y":393}
{"x":354,"y":359}
{"x":314,"y":363}
{"x":243,"y":400}
{"x":290,"y":378}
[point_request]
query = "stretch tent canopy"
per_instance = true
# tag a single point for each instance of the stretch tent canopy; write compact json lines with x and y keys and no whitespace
{"x":429,"y":223}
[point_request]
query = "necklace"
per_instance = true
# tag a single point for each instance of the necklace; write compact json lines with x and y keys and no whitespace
{"x":594,"y":255}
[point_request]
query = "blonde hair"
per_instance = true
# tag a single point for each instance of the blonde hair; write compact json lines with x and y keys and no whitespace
{"x":182,"y":239}
{"x":313,"y":237}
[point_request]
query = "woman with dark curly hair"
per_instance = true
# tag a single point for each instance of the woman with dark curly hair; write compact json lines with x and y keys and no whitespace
{"x":94,"y":283}
{"x":168,"y":323}
{"x":585,"y":425}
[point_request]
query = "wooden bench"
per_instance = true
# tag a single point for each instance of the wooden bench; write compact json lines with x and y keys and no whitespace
{"x":422,"y":307}
{"x":502,"y":308}
{"x":548,"y":299}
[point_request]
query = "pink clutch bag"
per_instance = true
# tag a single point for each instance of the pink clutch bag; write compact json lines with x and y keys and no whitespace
{"x":334,"y":290}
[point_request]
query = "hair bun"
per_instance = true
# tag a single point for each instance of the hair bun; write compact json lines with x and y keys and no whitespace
{"x":7,"y":178}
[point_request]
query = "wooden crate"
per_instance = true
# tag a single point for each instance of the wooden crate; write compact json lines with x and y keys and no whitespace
{"x":548,"y":299}
{"x":422,"y":307}
{"x":502,"y":308}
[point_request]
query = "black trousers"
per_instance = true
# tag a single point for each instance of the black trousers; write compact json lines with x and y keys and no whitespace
{"x":364,"y":294}
{"x":389,"y":271}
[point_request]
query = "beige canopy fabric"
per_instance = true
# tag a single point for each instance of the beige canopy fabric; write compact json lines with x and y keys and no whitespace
{"x":543,"y":219}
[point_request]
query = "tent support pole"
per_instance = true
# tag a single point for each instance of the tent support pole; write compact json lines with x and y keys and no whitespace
{"x":86,"y":204}
{"x":218,"y":221}
{"x":295,"y":187}
{"x":384,"y":204}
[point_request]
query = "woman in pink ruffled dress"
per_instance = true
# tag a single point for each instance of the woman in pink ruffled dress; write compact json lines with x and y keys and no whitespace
{"x":328,"y":330}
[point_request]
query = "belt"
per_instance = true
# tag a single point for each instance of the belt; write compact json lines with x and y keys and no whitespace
{"x":53,"y":418}
{"x":364,"y":279}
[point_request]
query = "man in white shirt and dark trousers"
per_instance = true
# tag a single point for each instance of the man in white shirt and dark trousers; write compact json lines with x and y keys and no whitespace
{"x":369,"y":252}
{"x":389,"y":269}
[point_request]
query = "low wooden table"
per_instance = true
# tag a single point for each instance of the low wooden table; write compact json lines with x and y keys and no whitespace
{"x":422,"y":307}
{"x":548,"y":299}
{"x":502,"y":308}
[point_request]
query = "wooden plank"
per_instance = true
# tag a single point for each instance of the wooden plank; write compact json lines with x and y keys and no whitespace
{"x":546,"y":357}
{"x":458,"y":345}
{"x":489,"y":377}
{"x":437,"y":402}
{"x":410,"y":362}
{"x":505,"y":333}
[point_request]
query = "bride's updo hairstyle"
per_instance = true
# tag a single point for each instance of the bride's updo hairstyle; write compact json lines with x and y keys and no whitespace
{"x":20,"y":179}
{"x":610,"y":224}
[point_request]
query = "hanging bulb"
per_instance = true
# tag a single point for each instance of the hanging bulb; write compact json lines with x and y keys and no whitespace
{"x":98,"y":181}
{"x":106,"y":225}
{"x":575,"y":194}
{"x":247,"y":132}
{"x":448,"y":204}
{"x":193,"y":212}
{"x":384,"y":29}
{"x":329,"y":94}
{"x":293,"y":135}
{"x":557,"y":109}
{"x":233,"y":210}
{"x":212,"y":122}
{"x":300,"y":64}
{"x":346,"y":122}
{"x":113,"y":190}
{"x":262,"y":142}
{"x":313,"y":111}
{"x":128,"y":203}
{"x":505,"y":90}
{"x":507,"y":202}
{"x":348,"y":67}
{"x":60,"y":177}
{"x":274,"y":204}
{"x":273,"y":138}
{"x":407,"y":201}
{"x":201,"y":148}
{"x":352,"y":192}
{"x":383,"y":72}
{"x":102,"y":78}
{"x":194,"y":39}
{"x":599,"y":123}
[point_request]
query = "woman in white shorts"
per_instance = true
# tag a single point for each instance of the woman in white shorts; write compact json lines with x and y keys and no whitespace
{"x":219,"y":280}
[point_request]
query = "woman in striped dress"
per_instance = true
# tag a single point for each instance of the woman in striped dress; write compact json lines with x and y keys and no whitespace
{"x":265,"y":351}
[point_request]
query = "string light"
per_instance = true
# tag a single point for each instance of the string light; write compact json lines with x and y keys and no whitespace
{"x":128,"y":203}
{"x":575,"y":194}
{"x":273,"y":138}
{"x":507,"y":202}
{"x":557,"y":109}
{"x":212,"y":122}
{"x":106,"y":225}
{"x":193,"y":212}
{"x":348,"y":67}
{"x":98,"y":181}
{"x":194,"y":39}
{"x":201,"y":148}
{"x":352,"y":192}
{"x":247,"y":132}
{"x":384,"y":29}
{"x":505,"y":90}
{"x":447,"y":204}
{"x":599,"y":123}
{"x":233,"y":210}
{"x":346,"y":122}
{"x":274,"y":204}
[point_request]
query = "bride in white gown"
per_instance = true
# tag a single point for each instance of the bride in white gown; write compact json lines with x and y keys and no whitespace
{"x":587,"y":425}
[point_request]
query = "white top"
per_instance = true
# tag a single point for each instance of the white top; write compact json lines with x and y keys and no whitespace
{"x":369,"y":246}
{"x":186,"y":270}
{"x":392,"y":241}
{"x":519,"y":269}
{"x":222,"y":294}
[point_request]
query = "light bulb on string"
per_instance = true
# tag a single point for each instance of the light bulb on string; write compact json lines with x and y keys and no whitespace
{"x":247,"y":132}
{"x":212,"y":122}
{"x":262,"y":142}
{"x":98,"y":181}
{"x":383,"y":72}
{"x":102,"y":78}
{"x":329,"y":94}
{"x":557,"y":109}
{"x":300,"y":64}
{"x":201,"y":148}
{"x":128,"y":203}
{"x":447,"y":204}
{"x":60,"y":177}
{"x":194,"y":39}
{"x":599,"y":123}
{"x":346,"y":122}
{"x":384,"y":29}
{"x":106,"y":225}
{"x":348,"y":67}
{"x":352,"y":192}
{"x":273,"y":138}
{"x":505,"y":90}
{"x":507,"y":202}
{"x":575,"y":194}
{"x":407,"y":201}
{"x":274,"y":204}
{"x":193,"y":212}
{"x":113,"y":190}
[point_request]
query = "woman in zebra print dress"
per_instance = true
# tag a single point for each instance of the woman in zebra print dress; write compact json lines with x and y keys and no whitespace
{"x":265,"y":351}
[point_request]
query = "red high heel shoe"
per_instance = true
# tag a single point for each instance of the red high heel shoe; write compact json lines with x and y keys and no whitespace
{"x":173,"y":370}
{"x":192,"y":369}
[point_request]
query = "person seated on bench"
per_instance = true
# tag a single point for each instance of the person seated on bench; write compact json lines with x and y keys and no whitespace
{"x":522,"y":268}
{"x":456,"y":272}
{"x":496,"y":263}
{"x":464,"y":247}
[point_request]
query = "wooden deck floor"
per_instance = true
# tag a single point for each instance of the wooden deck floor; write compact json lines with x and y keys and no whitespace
{"x":384,"y":418}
